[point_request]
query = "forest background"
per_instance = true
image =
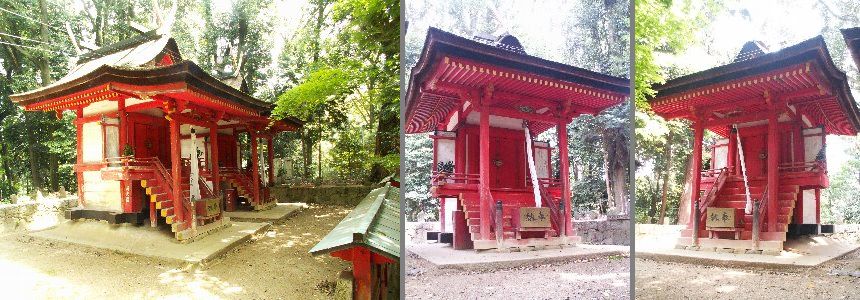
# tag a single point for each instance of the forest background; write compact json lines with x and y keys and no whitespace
{"x":590,"y":34}
{"x":679,"y":37}
{"x":332,"y":63}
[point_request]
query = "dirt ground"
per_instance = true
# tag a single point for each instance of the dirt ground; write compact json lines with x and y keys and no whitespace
{"x":276,"y":266}
{"x":838,"y":279}
{"x":606,"y":278}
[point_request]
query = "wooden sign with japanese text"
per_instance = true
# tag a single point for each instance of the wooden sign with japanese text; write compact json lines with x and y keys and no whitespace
{"x":534,"y":217}
{"x":720,"y":217}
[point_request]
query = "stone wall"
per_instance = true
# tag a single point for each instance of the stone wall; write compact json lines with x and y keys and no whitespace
{"x":604,"y":231}
{"x":329,"y":195}
{"x":34,"y":215}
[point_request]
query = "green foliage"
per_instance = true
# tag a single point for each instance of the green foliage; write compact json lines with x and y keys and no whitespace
{"x":662,"y":27}
{"x":305,"y":100}
{"x":346,"y":80}
{"x":416,"y":183}
{"x":839,"y":204}
{"x":349,"y":155}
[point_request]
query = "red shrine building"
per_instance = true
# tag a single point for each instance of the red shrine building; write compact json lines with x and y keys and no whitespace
{"x":771,"y":113}
{"x":158,"y":137}
{"x":484,"y":100}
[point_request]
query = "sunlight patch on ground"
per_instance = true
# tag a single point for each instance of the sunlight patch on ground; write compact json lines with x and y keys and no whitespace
{"x":19,"y":281}
{"x":617,"y":279}
{"x":198,"y":284}
{"x":726,"y":288}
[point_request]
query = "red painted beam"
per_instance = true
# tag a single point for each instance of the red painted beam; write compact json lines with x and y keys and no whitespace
{"x":79,"y":113}
{"x":270,"y":155}
{"x":564,"y":160}
{"x":772,"y":171}
{"x":213,"y":158}
{"x":176,"y":173}
{"x":512,"y":113}
{"x":486,"y":198}
{"x":255,"y":169}
{"x":698,"y":131}
{"x":361,"y":272}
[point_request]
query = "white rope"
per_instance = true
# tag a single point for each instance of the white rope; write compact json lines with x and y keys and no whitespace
{"x":748,"y":206}
{"x":531,"y":158}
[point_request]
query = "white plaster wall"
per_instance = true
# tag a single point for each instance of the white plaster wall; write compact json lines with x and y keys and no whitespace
{"x":112,"y":140}
{"x":450,"y":207}
{"x":445,"y":150}
{"x":93,"y":142}
{"x":721,"y":153}
{"x":808,"y":200}
{"x":101,"y":194}
{"x":186,"y":147}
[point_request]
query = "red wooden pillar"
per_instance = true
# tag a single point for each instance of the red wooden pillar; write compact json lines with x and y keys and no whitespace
{"x":733,"y":150}
{"x":270,"y":160}
{"x":772,"y":170}
{"x":564,"y":170}
{"x":698,"y":132}
{"x":124,"y":185}
{"x":361,"y":272}
{"x":176,"y":173}
{"x":484,"y":166}
{"x":214,"y":171}
{"x":79,"y":113}
{"x":255,"y":169}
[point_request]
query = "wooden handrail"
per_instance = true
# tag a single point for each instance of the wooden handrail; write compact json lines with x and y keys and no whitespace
{"x":711,"y":195}
{"x":555,"y":214}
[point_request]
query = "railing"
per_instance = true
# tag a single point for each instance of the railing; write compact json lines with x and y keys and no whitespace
{"x":763,"y":204}
{"x":712,"y":172}
{"x":555,"y":214}
{"x":801,"y":167}
{"x":711,"y":195}
{"x":545,"y":182}
{"x":442,"y":178}
{"x":153,"y":163}
{"x":205,"y":191}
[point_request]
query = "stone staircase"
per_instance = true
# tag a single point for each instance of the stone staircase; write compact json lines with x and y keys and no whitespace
{"x":472,"y":209}
{"x":732,"y":195}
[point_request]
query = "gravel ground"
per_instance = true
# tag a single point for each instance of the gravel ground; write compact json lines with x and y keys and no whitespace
{"x":607,"y":278}
{"x":838,"y":279}
{"x":276,"y":266}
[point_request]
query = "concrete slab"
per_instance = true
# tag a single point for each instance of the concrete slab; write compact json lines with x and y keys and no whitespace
{"x":443,"y":256}
{"x":810,"y":251}
{"x":279,"y":212}
{"x":152,"y":242}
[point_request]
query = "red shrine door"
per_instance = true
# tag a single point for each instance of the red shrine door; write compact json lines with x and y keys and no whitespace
{"x":227,"y":150}
{"x":755,"y":154}
{"x":150,"y":141}
{"x":506,"y":163}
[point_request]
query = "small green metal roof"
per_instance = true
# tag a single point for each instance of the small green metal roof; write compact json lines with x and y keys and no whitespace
{"x":374,"y":223}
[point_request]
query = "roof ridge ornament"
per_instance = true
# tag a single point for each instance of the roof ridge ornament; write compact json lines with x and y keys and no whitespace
{"x":750,"y":50}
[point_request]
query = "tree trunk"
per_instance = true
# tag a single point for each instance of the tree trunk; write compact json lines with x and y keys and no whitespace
{"x":667,"y":172}
{"x":307,"y":155}
{"x":35,"y":176}
{"x":652,"y":199}
{"x":55,"y":177}
{"x":616,"y":172}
